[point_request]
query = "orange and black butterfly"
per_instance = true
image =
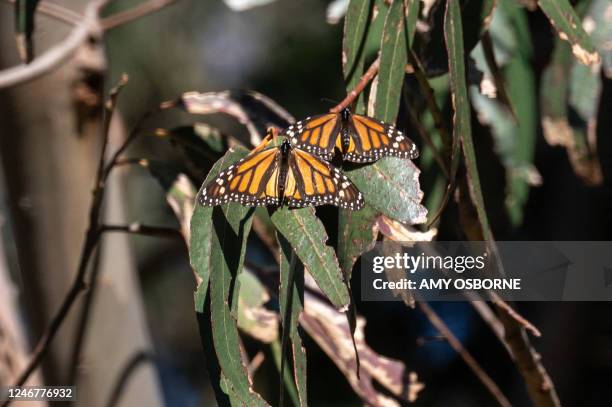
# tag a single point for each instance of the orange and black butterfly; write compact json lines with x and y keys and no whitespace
{"x":359,"y":138}
{"x":282,"y":175}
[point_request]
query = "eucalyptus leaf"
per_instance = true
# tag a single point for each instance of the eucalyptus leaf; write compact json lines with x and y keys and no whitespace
{"x":292,"y":304}
{"x":306,"y":234}
{"x":393,"y":59}
{"x":391,"y":186}
{"x":356,"y":25}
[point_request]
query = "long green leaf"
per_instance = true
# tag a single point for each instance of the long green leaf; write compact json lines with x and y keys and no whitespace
{"x":218,"y":245}
{"x":567,"y":23}
{"x":412,"y":16}
{"x":200,"y":246}
{"x":231,"y":228}
{"x":24,"y":28}
{"x":393,"y":58}
{"x":275,"y":349}
{"x":306,"y":234}
{"x":453,"y":34}
{"x":292,"y":304}
{"x":355,"y":27}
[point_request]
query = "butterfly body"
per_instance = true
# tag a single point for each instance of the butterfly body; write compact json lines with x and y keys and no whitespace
{"x":282,"y":175}
{"x":285,"y":151}
{"x":358,"y":138}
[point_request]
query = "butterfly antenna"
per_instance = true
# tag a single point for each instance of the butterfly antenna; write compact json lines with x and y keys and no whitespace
{"x":331,"y":101}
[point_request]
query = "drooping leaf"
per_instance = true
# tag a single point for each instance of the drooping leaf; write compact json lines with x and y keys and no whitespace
{"x":231,"y":229}
{"x":453,"y":33}
{"x":327,"y":328}
{"x":412,"y":16}
{"x":291,"y":305}
{"x":306,"y":234}
{"x":223,"y":392}
{"x":254,"y":110}
{"x":202,"y":231}
{"x":569,"y":27}
{"x":275,"y":348}
{"x":355,"y":27}
{"x":391,"y":186}
{"x":24,"y":28}
{"x":393,"y":59}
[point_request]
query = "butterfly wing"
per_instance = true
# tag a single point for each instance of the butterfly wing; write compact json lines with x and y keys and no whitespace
{"x":316,"y":135}
{"x":252,"y":181}
{"x":372,"y":140}
{"x":312,"y":181}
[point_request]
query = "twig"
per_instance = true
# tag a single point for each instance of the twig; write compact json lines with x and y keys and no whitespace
{"x":131,"y":137}
{"x":507,"y":309}
{"x":135,"y":361}
{"x":134,"y":13}
{"x":363,"y":82}
{"x":539,"y":384}
{"x":465,"y":355}
{"x":52,"y":58}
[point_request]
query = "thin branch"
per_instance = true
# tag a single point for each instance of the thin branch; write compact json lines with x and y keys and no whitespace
{"x":134,"y":13}
{"x":52,"y":58}
{"x":139,"y":359}
{"x":507,"y":309}
{"x":452,"y":340}
{"x":363,"y":82}
{"x":539,"y":384}
{"x":131,"y":137}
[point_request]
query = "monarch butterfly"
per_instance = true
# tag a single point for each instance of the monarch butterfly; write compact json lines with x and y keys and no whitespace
{"x":359,"y":138}
{"x":282,"y":175}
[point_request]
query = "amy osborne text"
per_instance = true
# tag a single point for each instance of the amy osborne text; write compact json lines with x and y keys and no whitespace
{"x":448,"y":284}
